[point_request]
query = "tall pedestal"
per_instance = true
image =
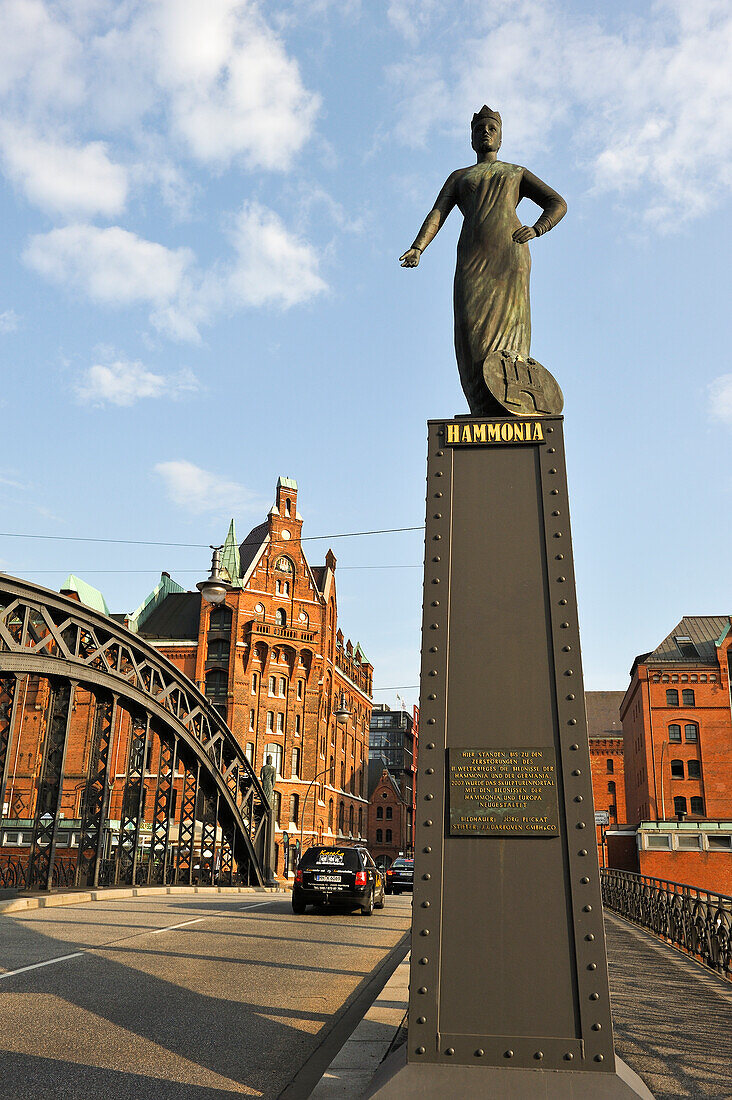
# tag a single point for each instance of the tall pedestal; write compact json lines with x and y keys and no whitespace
{"x":509,"y":989}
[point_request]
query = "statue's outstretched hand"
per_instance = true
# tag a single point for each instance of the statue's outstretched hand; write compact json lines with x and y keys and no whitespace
{"x":524,"y":234}
{"x":410,"y":257}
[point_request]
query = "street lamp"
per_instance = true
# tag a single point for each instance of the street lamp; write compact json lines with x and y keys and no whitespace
{"x":215,"y":587}
{"x":341,"y":714}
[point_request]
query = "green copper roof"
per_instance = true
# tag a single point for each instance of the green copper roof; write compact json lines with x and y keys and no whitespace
{"x":87,"y":594}
{"x":286,"y":483}
{"x":163,"y":588}
{"x":230,"y":559}
{"x":360,"y":655}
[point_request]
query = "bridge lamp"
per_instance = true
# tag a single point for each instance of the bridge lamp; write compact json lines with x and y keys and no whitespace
{"x":342,"y":713}
{"x":215,"y":587}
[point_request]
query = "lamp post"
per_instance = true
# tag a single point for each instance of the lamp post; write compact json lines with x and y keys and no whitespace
{"x":214,"y":588}
{"x":341,"y":714}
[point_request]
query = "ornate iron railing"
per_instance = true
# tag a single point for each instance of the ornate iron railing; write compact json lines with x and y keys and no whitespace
{"x":14,"y":872}
{"x":698,"y":922}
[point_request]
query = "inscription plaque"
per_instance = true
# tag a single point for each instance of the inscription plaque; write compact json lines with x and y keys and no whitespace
{"x":503,"y":792}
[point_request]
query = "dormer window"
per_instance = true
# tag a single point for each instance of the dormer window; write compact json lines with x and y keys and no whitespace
{"x":686,"y":646}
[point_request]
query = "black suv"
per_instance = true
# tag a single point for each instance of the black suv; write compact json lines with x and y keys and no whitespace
{"x":400,"y":876}
{"x":346,"y":876}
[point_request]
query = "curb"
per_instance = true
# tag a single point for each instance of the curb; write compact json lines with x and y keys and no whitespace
{"x":83,"y":897}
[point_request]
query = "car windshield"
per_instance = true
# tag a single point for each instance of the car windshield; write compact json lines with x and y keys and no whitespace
{"x":347,"y":858}
{"x":403,"y":864}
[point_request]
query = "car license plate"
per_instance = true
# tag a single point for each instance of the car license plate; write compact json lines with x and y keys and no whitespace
{"x":328,"y":878}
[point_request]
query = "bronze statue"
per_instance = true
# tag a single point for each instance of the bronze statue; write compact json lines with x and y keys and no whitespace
{"x":491,"y":290}
{"x":267,"y":777}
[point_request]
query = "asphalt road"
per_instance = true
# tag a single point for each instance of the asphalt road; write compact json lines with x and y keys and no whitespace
{"x":180,"y":997}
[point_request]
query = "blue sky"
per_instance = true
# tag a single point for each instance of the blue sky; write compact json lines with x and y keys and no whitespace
{"x":204,"y":205}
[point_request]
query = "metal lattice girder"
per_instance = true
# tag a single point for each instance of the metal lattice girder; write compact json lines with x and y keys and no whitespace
{"x":8,"y":706}
{"x":226,"y":865}
{"x":50,"y":635}
{"x":132,"y":800}
{"x":161,"y":812}
{"x":187,"y":825}
{"x":96,"y":792}
{"x":209,"y":816}
{"x":50,"y":784}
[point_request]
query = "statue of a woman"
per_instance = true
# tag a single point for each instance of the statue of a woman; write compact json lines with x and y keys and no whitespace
{"x":491,"y":291}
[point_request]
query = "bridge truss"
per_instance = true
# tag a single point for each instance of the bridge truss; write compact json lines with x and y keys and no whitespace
{"x":209,"y":821}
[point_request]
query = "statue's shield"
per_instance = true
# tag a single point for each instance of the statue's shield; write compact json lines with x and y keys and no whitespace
{"x":521,"y":385}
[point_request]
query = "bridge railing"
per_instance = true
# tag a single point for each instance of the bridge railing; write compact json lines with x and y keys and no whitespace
{"x":697,"y":921}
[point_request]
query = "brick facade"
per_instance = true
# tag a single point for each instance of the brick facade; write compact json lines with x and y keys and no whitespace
{"x":388,"y":819}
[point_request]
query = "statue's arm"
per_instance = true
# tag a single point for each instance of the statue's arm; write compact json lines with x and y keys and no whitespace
{"x":432,"y":223}
{"x":551,"y":202}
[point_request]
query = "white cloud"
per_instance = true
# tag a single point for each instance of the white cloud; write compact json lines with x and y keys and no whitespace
{"x":111,"y":266}
{"x":645,"y":106}
{"x":200,"y":491}
{"x":9,"y":320}
{"x":270,"y":267}
{"x":63,"y":178}
{"x":719,"y":393}
{"x":273,"y":267}
{"x":124,"y":383}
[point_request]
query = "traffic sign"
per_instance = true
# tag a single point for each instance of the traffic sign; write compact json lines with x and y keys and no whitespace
{"x":602,"y":817}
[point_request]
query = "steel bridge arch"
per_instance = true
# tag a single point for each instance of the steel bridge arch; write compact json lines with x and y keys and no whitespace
{"x":74,"y":647}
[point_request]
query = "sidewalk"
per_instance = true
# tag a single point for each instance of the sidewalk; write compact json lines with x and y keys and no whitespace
{"x":107,"y":893}
{"x":350,"y":1072}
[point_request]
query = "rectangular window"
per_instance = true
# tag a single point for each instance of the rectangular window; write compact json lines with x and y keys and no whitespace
{"x":255,"y":682}
{"x":270,"y":721}
{"x":273,"y":685}
{"x":249,"y":752}
{"x":295,"y":766}
{"x":674,"y":733}
{"x":300,"y":688}
{"x":687,"y":697}
{"x":297,"y":723}
{"x":688,"y":842}
{"x":672,"y":697}
{"x":251,"y":719}
{"x":691,"y":731}
{"x":280,"y":723}
{"x":719,"y":843}
{"x":283,"y":687}
{"x":658,"y":841}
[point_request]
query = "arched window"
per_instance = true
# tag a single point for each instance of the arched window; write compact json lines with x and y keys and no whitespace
{"x":611,"y":788}
{"x":217,"y":683}
{"x":281,"y":616}
{"x":674,"y":732}
{"x":697,"y":805}
{"x":332,"y":771}
{"x":388,"y":836}
{"x":350,"y":820}
{"x":275,"y":751}
{"x":277,"y":805}
{"x":295,"y":809}
{"x":285,"y":565}
{"x":379,"y":836}
{"x":672,"y":697}
{"x":693,"y":769}
{"x":283,"y":687}
{"x":343,"y":776}
{"x":687,"y":697}
{"x":679,"y":805}
{"x":330,"y":816}
{"x":691,"y":732}
{"x":389,"y":813}
{"x":379,"y":813}
{"x":610,"y":764}
{"x":677,"y":769}
{"x":249,"y":752}
{"x":341,"y":817}
{"x":295,"y":765}
{"x":360,"y":820}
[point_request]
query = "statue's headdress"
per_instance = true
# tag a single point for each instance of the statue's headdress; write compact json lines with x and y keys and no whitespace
{"x":485,"y":112}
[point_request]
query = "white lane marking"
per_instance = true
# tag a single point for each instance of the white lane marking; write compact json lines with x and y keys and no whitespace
{"x":48,"y":962}
{"x":258,"y":905}
{"x":183,"y":924}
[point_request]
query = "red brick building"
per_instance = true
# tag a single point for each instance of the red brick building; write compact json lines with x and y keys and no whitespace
{"x":606,"y":760}
{"x":389,"y":826}
{"x":274,"y":662}
{"x":677,"y":728}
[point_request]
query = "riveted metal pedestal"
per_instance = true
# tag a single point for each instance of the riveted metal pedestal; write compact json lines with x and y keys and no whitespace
{"x":508,"y":988}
